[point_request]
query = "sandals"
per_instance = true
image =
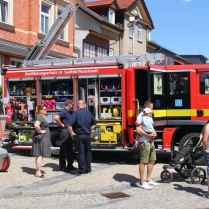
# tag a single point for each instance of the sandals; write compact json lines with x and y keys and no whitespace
{"x":41,"y":176}
{"x":42,"y":171}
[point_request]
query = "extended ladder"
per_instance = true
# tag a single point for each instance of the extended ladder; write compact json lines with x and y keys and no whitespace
{"x":42,"y":47}
{"x":121,"y":59}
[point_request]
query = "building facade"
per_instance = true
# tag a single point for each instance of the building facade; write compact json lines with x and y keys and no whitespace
{"x":133,"y":17}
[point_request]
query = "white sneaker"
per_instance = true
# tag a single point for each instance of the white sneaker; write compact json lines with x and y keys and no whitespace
{"x":145,"y":186}
{"x":153,"y":183}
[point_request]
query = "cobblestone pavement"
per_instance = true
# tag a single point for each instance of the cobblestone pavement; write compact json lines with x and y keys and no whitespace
{"x":20,"y":189}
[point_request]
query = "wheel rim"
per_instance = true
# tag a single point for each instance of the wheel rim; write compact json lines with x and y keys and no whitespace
{"x":166,"y":176}
{"x":198,"y":175}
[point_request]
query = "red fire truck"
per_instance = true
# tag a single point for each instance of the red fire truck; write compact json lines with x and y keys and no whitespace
{"x":114,"y":94}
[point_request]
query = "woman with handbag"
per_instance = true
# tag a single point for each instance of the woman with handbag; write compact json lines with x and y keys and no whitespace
{"x":41,"y":145}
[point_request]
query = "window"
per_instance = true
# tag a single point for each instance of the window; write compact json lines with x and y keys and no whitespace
{"x":93,"y":51}
{"x":148,"y":35}
{"x":111,"y":16}
{"x":158,"y":83}
{"x":3,"y":11}
{"x":89,"y":50}
{"x":111,"y":52}
{"x":62,"y":33}
{"x":15,"y":62}
{"x":139,"y":33}
{"x":204,"y":84}
{"x":178,"y":83}
{"x":101,"y":52}
{"x":44,"y":18}
{"x":131,"y":31}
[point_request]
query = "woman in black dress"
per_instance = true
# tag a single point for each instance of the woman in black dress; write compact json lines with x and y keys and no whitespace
{"x":41,"y":148}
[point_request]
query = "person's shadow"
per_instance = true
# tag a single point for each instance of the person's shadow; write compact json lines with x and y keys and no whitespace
{"x":54,"y":166}
{"x":32,"y":171}
{"x":193,"y":190}
{"x":121,"y":177}
{"x":28,"y":170}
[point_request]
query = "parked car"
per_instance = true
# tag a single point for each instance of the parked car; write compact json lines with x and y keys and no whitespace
{"x":4,"y":160}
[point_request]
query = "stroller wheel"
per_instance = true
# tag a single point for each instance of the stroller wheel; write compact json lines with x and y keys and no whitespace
{"x":166,"y":176}
{"x":198,"y":175}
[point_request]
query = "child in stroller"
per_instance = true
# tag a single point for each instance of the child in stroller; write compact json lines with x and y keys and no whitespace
{"x":183,"y":162}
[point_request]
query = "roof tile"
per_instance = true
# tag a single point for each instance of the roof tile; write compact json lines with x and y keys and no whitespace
{"x":124,"y":4}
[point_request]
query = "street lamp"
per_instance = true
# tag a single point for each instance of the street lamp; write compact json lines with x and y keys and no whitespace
{"x":132,"y":22}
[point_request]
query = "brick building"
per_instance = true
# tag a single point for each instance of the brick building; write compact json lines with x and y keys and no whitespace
{"x":24,"y":22}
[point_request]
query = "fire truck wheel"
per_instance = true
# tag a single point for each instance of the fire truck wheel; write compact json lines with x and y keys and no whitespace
{"x":6,"y":163}
{"x":55,"y":140}
{"x":195,"y":137}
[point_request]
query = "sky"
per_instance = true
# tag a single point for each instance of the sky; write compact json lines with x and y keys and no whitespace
{"x":181,"y":26}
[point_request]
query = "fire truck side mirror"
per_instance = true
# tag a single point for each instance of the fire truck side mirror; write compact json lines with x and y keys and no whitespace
{"x":3,"y":70}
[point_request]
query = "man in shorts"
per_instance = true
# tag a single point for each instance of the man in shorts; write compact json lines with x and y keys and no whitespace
{"x":147,"y":155}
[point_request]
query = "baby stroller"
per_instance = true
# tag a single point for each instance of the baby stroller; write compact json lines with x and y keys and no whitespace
{"x":183,"y":163}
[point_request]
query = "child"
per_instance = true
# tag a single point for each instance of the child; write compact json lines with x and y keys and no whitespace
{"x":147,"y":123}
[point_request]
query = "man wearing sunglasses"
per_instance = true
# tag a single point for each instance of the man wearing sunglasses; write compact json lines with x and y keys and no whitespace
{"x":66,"y":147}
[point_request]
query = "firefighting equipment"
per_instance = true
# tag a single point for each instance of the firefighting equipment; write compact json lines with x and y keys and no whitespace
{"x":28,"y":91}
{"x":116,"y":111}
{"x":9,"y":112}
{"x":104,"y":110}
{"x":110,"y":110}
{"x":33,"y":90}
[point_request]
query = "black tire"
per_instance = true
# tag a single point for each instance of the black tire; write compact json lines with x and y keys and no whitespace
{"x":6,"y":163}
{"x":198,"y":175}
{"x":55,"y":141}
{"x":166,"y":176}
{"x":199,"y":157}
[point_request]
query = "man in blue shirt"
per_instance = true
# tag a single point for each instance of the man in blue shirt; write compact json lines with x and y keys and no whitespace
{"x":80,"y":125}
{"x":66,"y":147}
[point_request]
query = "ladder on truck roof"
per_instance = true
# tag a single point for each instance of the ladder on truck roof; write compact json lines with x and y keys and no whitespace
{"x":42,"y":47}
{"x":121,"y":59}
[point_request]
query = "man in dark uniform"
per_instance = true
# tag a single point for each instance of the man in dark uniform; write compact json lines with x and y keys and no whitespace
{"x":80,"y":125}
{"x":66,"y":147}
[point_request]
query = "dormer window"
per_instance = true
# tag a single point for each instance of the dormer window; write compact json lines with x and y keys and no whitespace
{"x":111,"y":16}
